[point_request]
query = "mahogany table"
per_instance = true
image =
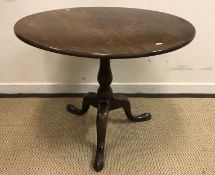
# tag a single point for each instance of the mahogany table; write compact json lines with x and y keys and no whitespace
{"x":105,"y":33}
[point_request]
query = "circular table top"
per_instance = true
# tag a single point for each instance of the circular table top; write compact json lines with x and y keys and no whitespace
{"x":105,"y":32}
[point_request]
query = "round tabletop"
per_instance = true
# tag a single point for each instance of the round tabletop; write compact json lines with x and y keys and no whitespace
{"x":105,"y":32}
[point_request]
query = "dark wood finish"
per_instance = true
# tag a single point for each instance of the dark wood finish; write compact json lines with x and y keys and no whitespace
{"x":87,"y":101}
{"x":104,"y":100}
{"x":105,"y":76}
{"x":101,"y":125}
{"x":105,"y":32}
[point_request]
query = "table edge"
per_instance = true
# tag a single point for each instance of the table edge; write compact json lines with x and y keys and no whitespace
{"x":107,"y":56}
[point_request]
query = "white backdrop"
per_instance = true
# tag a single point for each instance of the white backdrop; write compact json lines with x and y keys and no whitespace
{"x":24,"y":69}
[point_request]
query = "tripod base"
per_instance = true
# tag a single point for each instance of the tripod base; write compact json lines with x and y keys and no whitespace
{"x":105,"y":102}
{"x":115,"y":102}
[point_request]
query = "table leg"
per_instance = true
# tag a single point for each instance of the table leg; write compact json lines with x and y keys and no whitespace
{"x":87,"y":101}
{"x":121,"y":101}
{"x":101,"y":124}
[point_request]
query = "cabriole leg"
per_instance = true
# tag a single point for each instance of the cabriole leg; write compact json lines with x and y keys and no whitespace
{"x":101,"y":125}
{"x":122,"y":101}
{"x":87,"y":101}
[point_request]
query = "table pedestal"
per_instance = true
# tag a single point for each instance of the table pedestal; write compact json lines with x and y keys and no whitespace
{"x":104,"y":100}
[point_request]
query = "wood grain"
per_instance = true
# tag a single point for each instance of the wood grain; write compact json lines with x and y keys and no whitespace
{"x":105,"y":32}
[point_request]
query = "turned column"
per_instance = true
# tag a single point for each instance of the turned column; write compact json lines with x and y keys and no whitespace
{"x":105,"y":76}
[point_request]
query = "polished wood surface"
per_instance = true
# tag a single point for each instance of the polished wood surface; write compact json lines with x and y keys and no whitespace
{"x":105,"y":32}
